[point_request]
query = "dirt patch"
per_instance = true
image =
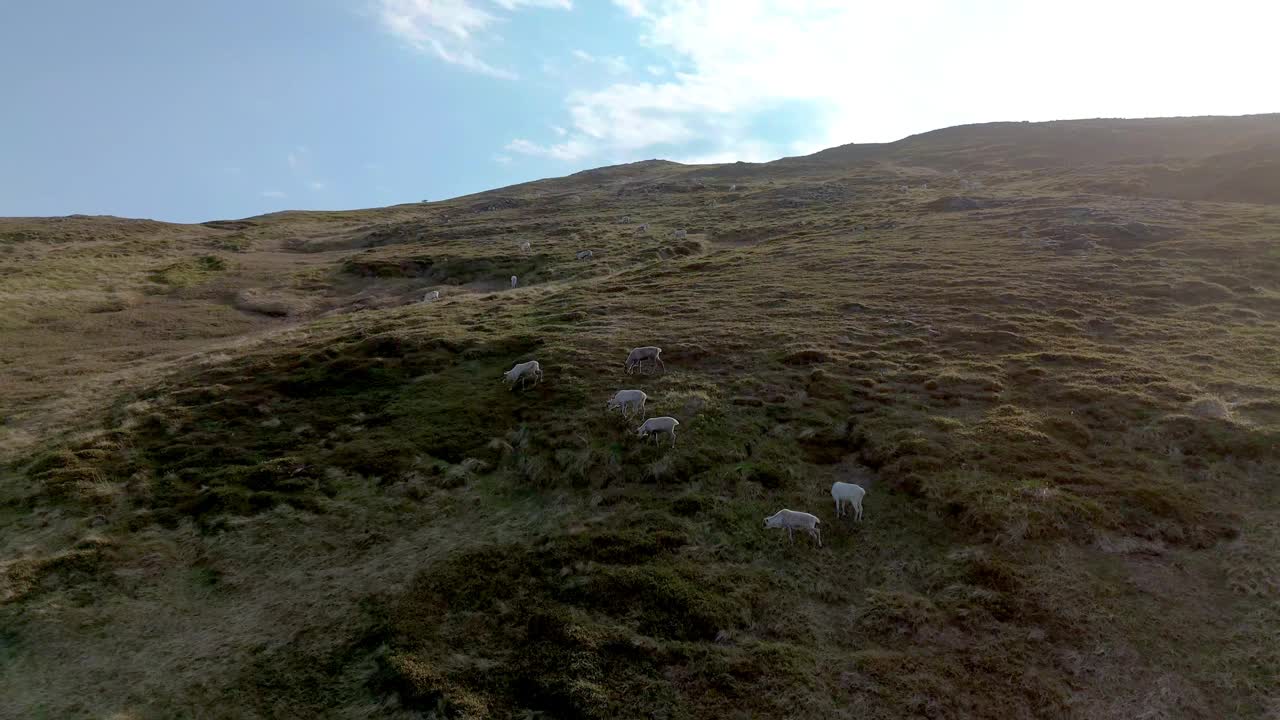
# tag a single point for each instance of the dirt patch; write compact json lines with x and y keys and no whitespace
{"x":268,"y":302}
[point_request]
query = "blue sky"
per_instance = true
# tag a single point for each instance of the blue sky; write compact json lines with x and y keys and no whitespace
{"x":191,"y":111}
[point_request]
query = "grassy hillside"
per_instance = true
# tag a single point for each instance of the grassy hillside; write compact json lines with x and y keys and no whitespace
{"x":249,"y":474}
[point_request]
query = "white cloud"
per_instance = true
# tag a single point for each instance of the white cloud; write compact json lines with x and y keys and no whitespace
{"x":559,"y":130}
{"x":297,"y":157}
{"x":454,"y":30}
{"x":272,"y":194}
{"x":572,"y":149}
{"x":502,"y":159}
{"x":614,"y":65}
{"x":517,"y":4}
{"x":634,"y":8}
{"x":299,"y":160}
{"x":865,"y":72}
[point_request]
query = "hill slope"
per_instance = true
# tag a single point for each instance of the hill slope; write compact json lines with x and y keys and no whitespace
{"x":250,"y":474}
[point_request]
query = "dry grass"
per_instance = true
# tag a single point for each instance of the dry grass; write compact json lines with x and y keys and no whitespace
{"x":1067,"y":445}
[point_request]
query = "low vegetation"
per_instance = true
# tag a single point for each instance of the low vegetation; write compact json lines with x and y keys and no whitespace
{"x":339,"y":509}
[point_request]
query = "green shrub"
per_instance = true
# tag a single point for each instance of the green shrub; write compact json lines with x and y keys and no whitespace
{"x":595,"y":617}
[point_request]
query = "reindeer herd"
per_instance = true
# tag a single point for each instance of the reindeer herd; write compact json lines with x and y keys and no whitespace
{"x":847,"y":496}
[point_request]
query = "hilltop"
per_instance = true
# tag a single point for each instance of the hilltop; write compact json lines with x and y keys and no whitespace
{"x":248,"y":473}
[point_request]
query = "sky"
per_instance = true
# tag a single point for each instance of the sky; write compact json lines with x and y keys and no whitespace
{"x":189,"y":111}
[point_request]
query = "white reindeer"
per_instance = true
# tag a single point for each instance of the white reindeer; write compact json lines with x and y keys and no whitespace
{"x":628,"y":400}
{"x":521,"y":372}
{"x":794,"y":520}
{"x":653,"y":427}
{"x":637,"y":357}
{"x":843,"y":492}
